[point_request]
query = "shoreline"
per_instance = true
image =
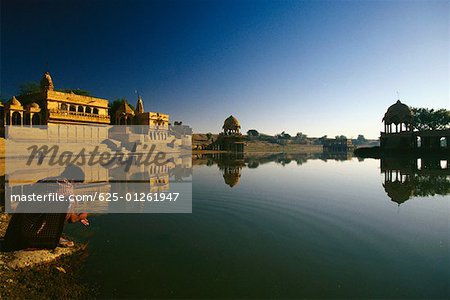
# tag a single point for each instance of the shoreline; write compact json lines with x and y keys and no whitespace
{"x":38,"y":274}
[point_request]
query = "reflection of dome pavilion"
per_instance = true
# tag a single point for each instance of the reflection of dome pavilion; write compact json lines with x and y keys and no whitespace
{"x":231,"y":168}
{"x":231,"y":126}
{"x":398,"y":114}
{"x":398,"y":191}
{"x":232,"y":175}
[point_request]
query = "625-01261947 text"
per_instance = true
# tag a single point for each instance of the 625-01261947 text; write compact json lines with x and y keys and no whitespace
{"x":139,"y":197}
{"x":102,"y":197}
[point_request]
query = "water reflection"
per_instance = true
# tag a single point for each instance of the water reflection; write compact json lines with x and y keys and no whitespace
{"x":231,"y":165}
{"x":405,"y":178}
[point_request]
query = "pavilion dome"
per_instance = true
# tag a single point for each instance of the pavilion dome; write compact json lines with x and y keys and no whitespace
{"x":398,"y":192}
{"x":232,"y":179}
{"x":398,"y":113}
{"x":125,"y":108}
{"x":14,"y":102}
{"x":34,"y":105}
{"x":231,"y":123}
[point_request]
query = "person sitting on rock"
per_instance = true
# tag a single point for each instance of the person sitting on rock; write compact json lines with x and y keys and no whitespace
{"x":29,"y":229}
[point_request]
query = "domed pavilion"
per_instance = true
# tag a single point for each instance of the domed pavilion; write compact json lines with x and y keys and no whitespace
{"x":231,"y":126}
{"x":399,"y":115}
{"x":231,"y":139}
{"x":399,"y":133}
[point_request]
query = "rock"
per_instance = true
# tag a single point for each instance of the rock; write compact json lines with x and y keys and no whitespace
{"x":25,"y":258}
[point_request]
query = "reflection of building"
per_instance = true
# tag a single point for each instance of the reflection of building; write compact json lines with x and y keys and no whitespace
{"x":231,"y":168}
{"x":230,"y":139}
{"x":408,"y":177}
{"x":399,"y":135}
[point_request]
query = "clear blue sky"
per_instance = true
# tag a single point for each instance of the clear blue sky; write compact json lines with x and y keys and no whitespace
{"x":316,"y":67}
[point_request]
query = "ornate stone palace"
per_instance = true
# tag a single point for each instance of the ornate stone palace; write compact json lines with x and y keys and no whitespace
{"x":399,"y":135}
{"x":49,"y":106}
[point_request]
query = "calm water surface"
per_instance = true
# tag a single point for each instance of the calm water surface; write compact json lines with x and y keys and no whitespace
{"x":276,"y":227}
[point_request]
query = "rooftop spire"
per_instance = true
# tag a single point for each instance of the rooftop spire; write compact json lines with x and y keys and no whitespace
{"x":139,"y":105}
{"x":47,"y":82}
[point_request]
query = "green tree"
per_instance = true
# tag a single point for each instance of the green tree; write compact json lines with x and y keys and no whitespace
{"x":360,"y":139}
{"x":76,"y":91}
{"x":209,"y":135}
{"x":322,"y":139}
{"x":29,"y":87}
{"x":253,"y":132}
{"x":340,"y":137}
{"x":430,"y":119}
{"x":285,"y":136}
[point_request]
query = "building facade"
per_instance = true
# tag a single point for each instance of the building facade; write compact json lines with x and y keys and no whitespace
{"x":49,"y":106}
{"x":399,"y":133}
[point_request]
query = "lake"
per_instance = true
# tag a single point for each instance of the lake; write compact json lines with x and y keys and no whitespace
{"x":284,"y":226}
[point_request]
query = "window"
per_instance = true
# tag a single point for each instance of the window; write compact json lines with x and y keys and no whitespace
{"x":16,"y":118}
{"x":36,"y":120}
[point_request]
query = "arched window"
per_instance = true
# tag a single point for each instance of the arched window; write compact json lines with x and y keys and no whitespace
{"x":419,"y":142}
{"x":26,"y":119}
{"x":16,"y":118}
{"x":95,"y":111}
{"x":80,"y":108}
{"x":72,"y":108}
{"x":63,"y":106}
{"x":88,"y":110}
{"x":36,"y":120}
{"x":443,"y":142}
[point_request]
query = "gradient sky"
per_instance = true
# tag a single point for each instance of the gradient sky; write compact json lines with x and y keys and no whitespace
{"x":315,"y":67}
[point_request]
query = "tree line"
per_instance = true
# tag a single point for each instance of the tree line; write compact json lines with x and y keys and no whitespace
{"x":430,"y":119}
